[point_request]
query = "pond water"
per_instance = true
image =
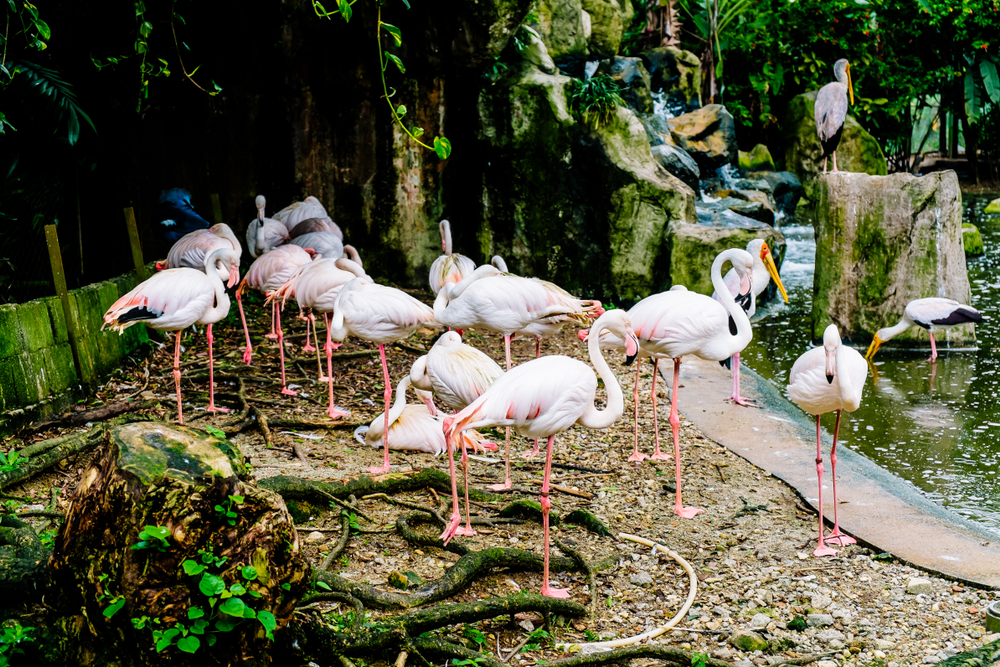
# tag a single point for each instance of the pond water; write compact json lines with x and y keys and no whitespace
{"x":935,"y":426}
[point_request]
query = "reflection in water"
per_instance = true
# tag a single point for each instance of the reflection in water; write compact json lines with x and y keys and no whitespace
{"x":935,"y":425}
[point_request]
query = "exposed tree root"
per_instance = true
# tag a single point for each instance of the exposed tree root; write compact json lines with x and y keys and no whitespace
{"x":587,"y":568}
{"x":24,"y":572}
{"x":986,"y":654}
{"x":345,"y":534}
{"x":96,"y":414}
{"x":295,"y":488}
{"x":671,"y":656}
{"x":49,"y":452}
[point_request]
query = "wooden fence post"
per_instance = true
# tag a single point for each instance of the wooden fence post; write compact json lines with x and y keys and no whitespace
{"x":133,"y":238}
{"x":216,"y":208}
{"x":59,"y":277}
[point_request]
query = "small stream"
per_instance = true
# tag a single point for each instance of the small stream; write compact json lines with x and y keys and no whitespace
{"x":935,"y":426}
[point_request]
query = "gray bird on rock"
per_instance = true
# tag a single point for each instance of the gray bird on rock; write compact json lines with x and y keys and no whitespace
{"x":831,"y":110}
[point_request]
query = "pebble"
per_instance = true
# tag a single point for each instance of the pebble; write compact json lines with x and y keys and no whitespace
{"x":315,"y":537}
{"x":759,"y":621}
{"x":819,"y":620}
{"x":918,"y":586}
{"x":641,"y":578}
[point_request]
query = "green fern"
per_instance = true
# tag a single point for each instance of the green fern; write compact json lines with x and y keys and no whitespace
{"x":48,"y":85}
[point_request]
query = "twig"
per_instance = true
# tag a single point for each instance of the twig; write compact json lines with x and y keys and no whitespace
{"x":567,"y":466}
{"x":805,"y":660}
{"x":297,"y":448}
{"x":46,"y":513}
{"x":407,"y":504}
{"x":517,"y":648}
{"x":721,"y":475}
{"x":411,"y":348}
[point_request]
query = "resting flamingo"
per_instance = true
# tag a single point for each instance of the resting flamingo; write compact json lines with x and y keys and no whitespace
{"x":455,"y":372}
{"x":822,"y":380}
{"x":173,"y":300}
{"x":764,"y":270}
{"x":300,"y":211}
{"x":326,"y":244}
{"x":192,"y":249}
{"x":450,"y":267}
{"x":540,"y":398}
{"x":263,"y":234}
{"x":317,"y":225}
{"x":269,"y":272}
{"x":931,"y":314}
{"x":377,"y":314}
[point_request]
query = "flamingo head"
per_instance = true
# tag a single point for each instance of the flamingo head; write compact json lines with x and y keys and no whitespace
{"x":831,"y":344}
{"x":312,"y":253}
{"x":448,"y":424}
{"x":234,"y":274}
{"x":772,"y":269}
{"x":618,"y":323}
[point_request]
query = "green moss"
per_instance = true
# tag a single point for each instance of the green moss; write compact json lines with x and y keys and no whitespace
{"x":153,"y":450}
{"x":972,"y":240}
{"x":758,"y":159}
{"x":35,"y":327}
{"x":993,"y":207}
{"x":10,"y":340}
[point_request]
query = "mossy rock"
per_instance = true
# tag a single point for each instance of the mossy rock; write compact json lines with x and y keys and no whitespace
{"x":582,"y":517}
{"x":746,"y":640}
{"x":758,"y":159}
{"x":972,"y":240}
{"x":529,"y":510}
{"x":606,"y":27}
{"x":993,"y":207}
{"x":560,"y":25}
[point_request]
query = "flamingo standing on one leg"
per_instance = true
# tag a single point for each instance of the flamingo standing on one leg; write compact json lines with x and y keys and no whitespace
{"x":822,"y":380}
{"x":269,"y":272}
{"x":381,"y":315}
{"x":173,"y":300}
{"x":263,"y":234}
{"x":543,"y":397}
{"x":764,"y":270}
{"x":450,"y":267}
{"x":931,"y":314}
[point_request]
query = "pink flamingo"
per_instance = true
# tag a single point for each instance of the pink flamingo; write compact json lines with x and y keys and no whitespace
{"x":173,"y":300}
{"x":269,"y":272}
{"x":455,"y":372}
{"x":317,"y":225}
{"x":263,"y":234}
{"x":326,"y":244}
{"x":378,"y":314}
{"x":300,"y":211}
{"x":449,"y":267}
{"x":543,"y":397}
{"x":822,"y":380}
{"x":316,"y":286}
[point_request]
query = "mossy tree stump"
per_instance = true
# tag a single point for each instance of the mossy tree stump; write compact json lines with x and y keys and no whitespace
{"x":227,"y":571}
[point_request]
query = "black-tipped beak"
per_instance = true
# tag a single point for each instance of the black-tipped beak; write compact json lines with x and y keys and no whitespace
{"x":630,"y":358}
{"x":829,"y":379}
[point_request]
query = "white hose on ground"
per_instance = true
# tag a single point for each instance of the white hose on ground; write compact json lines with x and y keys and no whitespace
{"x":593,"y":647}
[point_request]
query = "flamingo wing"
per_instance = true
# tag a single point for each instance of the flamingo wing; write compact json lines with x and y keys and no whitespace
{"x":170,"y":300}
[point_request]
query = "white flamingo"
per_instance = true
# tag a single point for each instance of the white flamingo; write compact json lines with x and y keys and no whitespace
{"x":173,"y":300}
{"x":450,"y":267}
{"x":263,"y":234}
{"x":931,"y":314}
{"x":317,"y":225}
{"x":540,"y":398}
{"x":822,"y":380}
{"x":326,"y":244}
{"x":455,"y":372}
{"x":300,"y":211}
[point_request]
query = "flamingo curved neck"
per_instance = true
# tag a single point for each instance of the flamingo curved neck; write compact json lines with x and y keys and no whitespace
{"x":455,"y":291}
{"x":446,"y":237}
{"x":400,"y":403}
{"x":743,"y":328}
{"x":592,"y":417}
{"x":221,"y":307}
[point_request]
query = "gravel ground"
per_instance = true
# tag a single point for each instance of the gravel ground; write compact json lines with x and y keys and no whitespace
{"x":751,"y":548}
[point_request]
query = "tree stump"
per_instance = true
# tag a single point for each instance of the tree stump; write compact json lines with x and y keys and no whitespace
{"x":167,"y":557}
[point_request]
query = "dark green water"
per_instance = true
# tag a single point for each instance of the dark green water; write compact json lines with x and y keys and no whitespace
{"x":935,"y":426}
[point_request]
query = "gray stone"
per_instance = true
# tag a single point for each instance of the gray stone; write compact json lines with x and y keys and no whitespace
{"x":883,"y":241}
{"x":917,"y":586}
{"x":993,"y":207}
{"x":676,"y":72}
{"x":315,"y":537}
{"x":748,"y":641}
{"x":708,"y":135}
{"x":830,"y":635}
{"x":527,"y":625}
{"x":606,"y":27}
{"x":820,"y":601}
{"x":758,"y":159}
{"x":641,"y":578}
{"x":676,"y":161}
{"x":759,"y":621}
{"x":560,"y":25}
{"x":537,"y":54}
{"x":633,"y":79}
{"x":754,"y":210}
{"x":819,"y":620}
{"x":785,"y":188}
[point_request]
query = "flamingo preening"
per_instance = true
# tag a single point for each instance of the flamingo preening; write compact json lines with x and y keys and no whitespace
{"x":932,"y":314}
{"x":317,"y":225}
{"x":326,"y":244}
{"x":300,"y":211}
{"x":540,"y":398}
{"x":264,"y":234}
{"x":822,"y":380}
{"x":450,"y":267}
{"x":173,"y":300}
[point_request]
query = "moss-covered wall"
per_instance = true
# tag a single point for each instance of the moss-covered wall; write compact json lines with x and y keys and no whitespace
{"x":36,"y":360}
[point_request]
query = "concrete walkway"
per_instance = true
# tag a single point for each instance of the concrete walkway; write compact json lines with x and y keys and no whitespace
{"x":881,"y":510}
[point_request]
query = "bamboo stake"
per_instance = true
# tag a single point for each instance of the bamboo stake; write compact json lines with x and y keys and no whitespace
{"x":59,"y":278}
{"x":133,"y":239}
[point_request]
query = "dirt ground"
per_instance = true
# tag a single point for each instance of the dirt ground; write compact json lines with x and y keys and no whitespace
{"x":751,"y":548}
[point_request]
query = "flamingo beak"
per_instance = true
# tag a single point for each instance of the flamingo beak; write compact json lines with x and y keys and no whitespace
{"x":631,"y":346}
{"x":873,"y":348}
{"x":234,"y":274}
{"x":831,"y":365}
{"x":772,"y":269}
{"x":583,"y":334}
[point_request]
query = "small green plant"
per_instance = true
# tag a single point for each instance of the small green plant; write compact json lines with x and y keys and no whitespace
{"x":596,"y":100}
{"x":476,"y":635}
{"x":11,"y":640}
{"x":226,"y":509}
{"x":352,"y":520}
{"x":535,"y":640}
{"x":10,"y":461}
{"x":591,"y":636}
{"x":153,"y":537}
{"x":48,"y":537}
{"x":468,"y":662}
{"x":215,"y":433}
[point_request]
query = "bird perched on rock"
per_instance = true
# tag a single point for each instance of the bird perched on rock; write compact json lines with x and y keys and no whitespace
{"x":831,"y":110}
{"x":933,"y":313}
{"x":176,"y":216}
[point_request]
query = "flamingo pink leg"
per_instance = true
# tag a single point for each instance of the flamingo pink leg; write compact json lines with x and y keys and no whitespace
{"x":376,"y":470}
{"x":177,"y":376}
{"x":281,"y":351}
{"x":933,"y":348}
{"x":675,"y":425}
{"x":735,"y":397}
{"x":248,"y":351}
{"x":211,"y":376}
{"x":821,"y":549}
{"x":333,"y":411}
{"x":467,"y":530}
{"x":546,"y":504}
{"x":456,"y":517}
{"x":835,"y":161}
{"x":657,"y":454}
{"x":508,"y":483}
{"x":274,"y":311}
{"x":330,"y":343}
{"x":309,"y":321}
{"x":637,"y":456}
{"x":837,"y":536}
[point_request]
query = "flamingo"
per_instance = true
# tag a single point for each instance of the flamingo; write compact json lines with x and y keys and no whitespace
{"x":300,"y":211}
{"x":501,"y":303}
{"x":678,"y":322}
{"x":932,"y":314}
{"x":764,"y":270}
{"x":540,"y":398}
{"x":173,"y":300}
{"x":192,"y":249}
{"x":449,"y":267}
{"x":822,"y":380}
{"x":263,"y":234}
{"x":455,"y":372}
{"x":378,"y":314}
{"x":326,"y":244}
{"x":269,"y":272}
{"x":317,"y":225}
{"x":316,"y":286}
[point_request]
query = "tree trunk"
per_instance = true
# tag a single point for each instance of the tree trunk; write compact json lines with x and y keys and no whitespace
{"x":227,"y":571}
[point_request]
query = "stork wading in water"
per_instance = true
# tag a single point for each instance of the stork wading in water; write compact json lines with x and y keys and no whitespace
{"x":173,"y":300}
{"x":541,"y":398}
{"x":831,"y":110}
{"x":822,"y":380}
{"x":764,"y":270}
{"x":931,"y":314}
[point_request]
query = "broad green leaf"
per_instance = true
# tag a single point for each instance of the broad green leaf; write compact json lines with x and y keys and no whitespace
{"x":249,"y":572}
{"x":248,"y":612}
{"x":442,"y":147}
{"x":199,"y":626}
{"x":237,"y":499}
{"x":233,"y":607}
{"x":988,"y":70}
{"x":114,"y":608}
{"x":397,"y":36}
{"x":880,"y":100}
{"x":325,"y":586}
{"x":401,"y":110}
{"x":973,"y":103}
{"x":189,"y":644}
{"x":146,"y":29}
{"x":227,"y":623}
{"x":212,"y":639}
{"x":397,"y":61}
{"x":267,"y":619}
{"x":180,"y":18}
{"x":192,"y":568}
{"x":211,"y":584}
{"x":195,"y":612}
{"x":418,"y":131}
{"x":345,"y":9}
{"x":237,"y":589}
{"x":43,"y":29}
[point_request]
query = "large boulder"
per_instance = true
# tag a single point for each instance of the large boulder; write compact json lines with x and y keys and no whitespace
{"x":675,"y":72}
{"x":693,"y":248}
{"x":633,"y":79}
{"x":606,"y":27}
{"x":708,"y":135}
{"x":784,"y":187}
{"x":858,"y":152}
{"x":758,"y":159}
{"x":882,"y":241}
{"x":561,"y":27}
{"x":675,"y":160}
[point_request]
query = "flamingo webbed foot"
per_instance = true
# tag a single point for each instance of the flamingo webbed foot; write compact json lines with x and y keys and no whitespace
{"x":824,"y":550}
{"x":289,"y":392}
{"x":271,"y":336}
{"x":379,"y":470}
{"x":687,"y":512}
{"x":506,"y":486}
{"x":745,"y":402}
{"x":247,"y":356}
{"x":451,"y":528}
{"x":531,"y":453}
{"x":337,"y":413}
{"x":839,"y":538}
{"x":637,"y":457}
{"x":553,"y":592}
{"x":215,"y":408}
{"x":465,"y":531}
{"x":308,"y":348}
{"x":660,"y":456}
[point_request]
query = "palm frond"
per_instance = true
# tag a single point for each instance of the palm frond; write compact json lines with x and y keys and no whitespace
{"x":50,"y":86}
